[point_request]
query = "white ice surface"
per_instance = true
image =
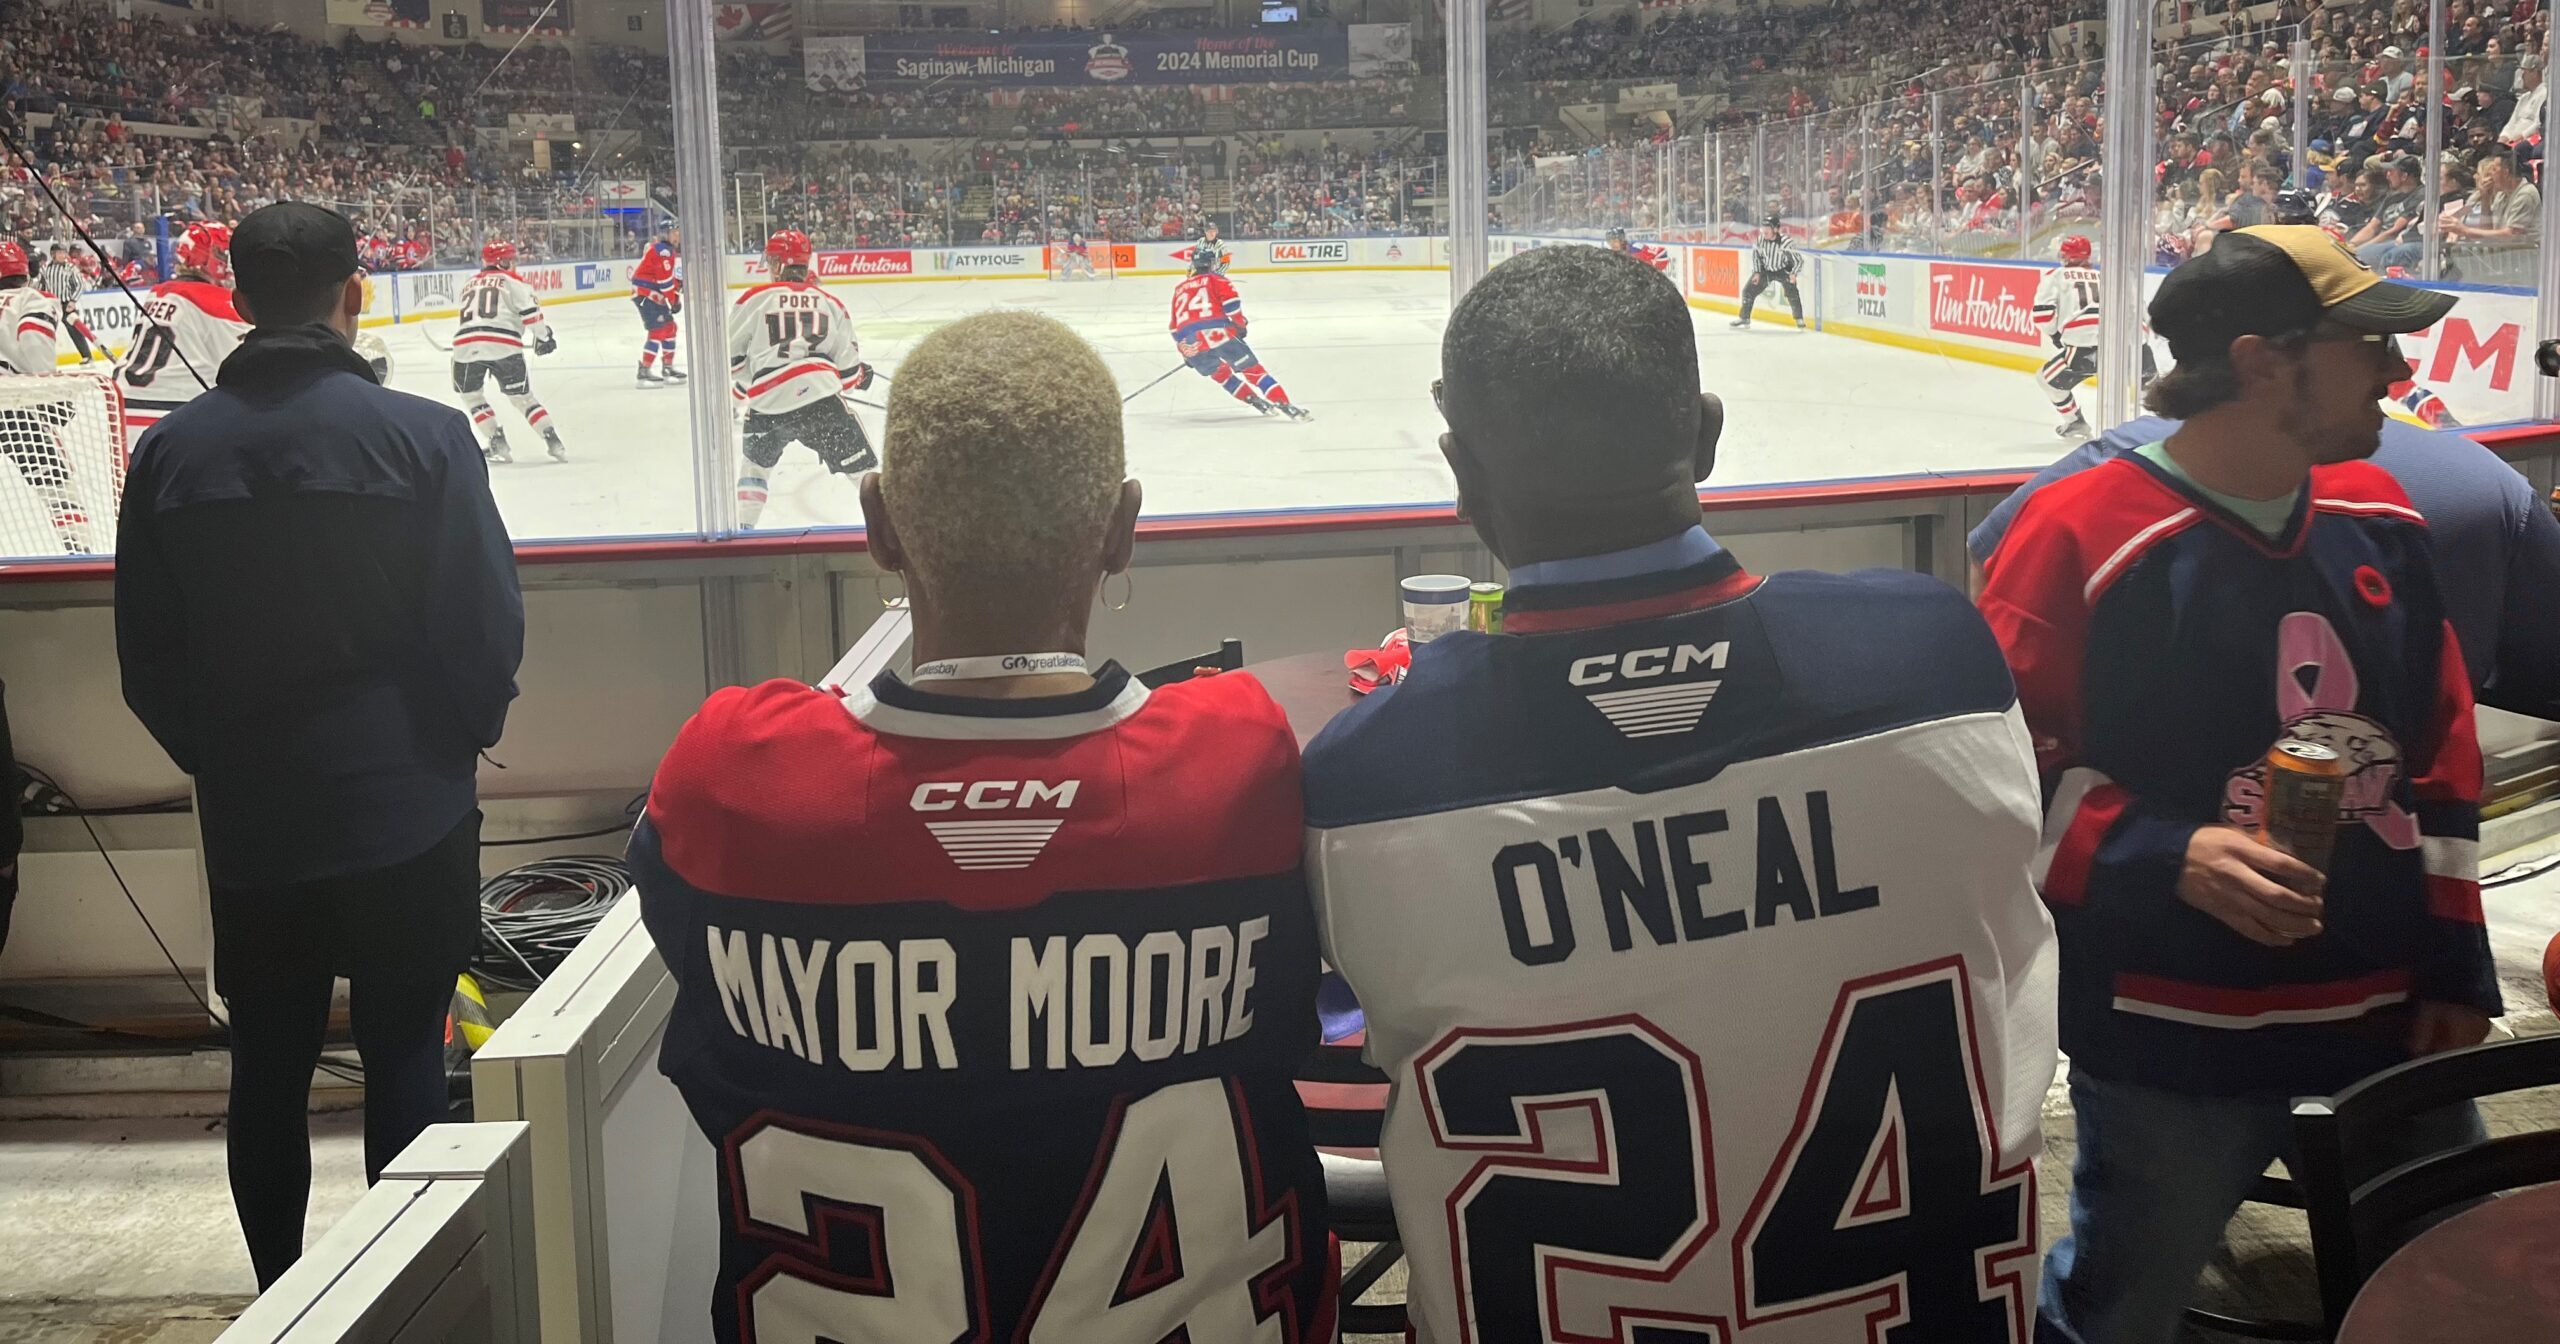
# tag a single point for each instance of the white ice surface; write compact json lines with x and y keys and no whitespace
{"x":1358,"y":348}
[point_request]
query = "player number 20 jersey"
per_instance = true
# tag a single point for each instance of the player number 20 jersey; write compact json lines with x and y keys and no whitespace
{"x":790,"y":343}
{"x":188,"y":328}
{"x":1702,"y":954}
{"x":499,"y":315}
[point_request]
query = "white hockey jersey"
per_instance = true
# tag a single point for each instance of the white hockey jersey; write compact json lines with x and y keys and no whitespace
{"x":2067,"y":303}
{"x":1691,"y":920}
{"x":790,"y":343}
{"x":500,"y":318}
{"x":30,"y":327}
{"x":190,"y":318}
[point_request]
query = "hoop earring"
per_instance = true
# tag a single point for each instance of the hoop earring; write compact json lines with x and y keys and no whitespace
{"x":1128,"y":591}
{"x":893,"y":602}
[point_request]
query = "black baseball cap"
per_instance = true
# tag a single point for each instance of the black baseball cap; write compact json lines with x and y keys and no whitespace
{"x":2277,"y":279}
{"x":293,"y":246}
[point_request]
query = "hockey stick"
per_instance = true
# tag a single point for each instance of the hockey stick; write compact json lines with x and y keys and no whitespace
{"x":427,"y":334}
{"x":1158,"y":379}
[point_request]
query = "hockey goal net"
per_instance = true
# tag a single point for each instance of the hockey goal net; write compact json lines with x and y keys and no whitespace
{"x":62,"y":462}
{"x":1091,"y":261}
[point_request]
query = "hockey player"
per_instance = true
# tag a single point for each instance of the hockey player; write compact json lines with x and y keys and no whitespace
{"x":792,"y":360}
{"x":1208,"y":328}
{"x":499,"y":312}
{"x":1774,"y":259}
{"x":1615,"y":240}
{"x":1078,"y":259}
{"x":2066,"y":310}
{"x":1217,"y":251}
{"x":189,"y":327}
{"x":30,"y":325}
{"x":658,"y":290}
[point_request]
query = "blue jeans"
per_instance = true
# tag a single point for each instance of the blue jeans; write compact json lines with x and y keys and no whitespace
{"x":2158,"y":1176}
{"x":2384,"y":256}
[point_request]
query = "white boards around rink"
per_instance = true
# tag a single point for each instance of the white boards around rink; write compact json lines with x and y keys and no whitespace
{"x":624,"y":1215}
{"x":439,"y":1251}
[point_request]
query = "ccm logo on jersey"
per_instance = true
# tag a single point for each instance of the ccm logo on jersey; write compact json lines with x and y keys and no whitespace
{"x":1652,"y":711}
{"x":993,"y":846}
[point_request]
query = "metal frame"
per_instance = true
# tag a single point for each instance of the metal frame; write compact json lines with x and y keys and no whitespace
{"x":440,"y":1249}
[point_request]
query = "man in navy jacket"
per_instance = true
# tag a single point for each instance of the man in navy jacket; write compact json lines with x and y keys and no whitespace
{"x":317,"y":617}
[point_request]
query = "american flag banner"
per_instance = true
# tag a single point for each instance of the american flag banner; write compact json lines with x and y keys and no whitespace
{"x":1506,"y":11}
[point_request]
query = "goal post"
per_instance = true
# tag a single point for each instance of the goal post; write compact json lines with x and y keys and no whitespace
{"x":1095,"y":260}
{"x":62,"y":464}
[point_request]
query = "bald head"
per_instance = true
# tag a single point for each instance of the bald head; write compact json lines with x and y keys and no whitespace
{"x":1570,"y":380}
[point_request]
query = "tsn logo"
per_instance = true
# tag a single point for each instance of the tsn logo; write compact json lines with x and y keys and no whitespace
{"x":1645,"y":664}
{"x":991,"y":795}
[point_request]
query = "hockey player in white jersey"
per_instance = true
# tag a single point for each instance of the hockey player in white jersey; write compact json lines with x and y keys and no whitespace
{"x":2066,"y":311}
{"x":1690,"y":914}
{"x":1774,"y":261}
{"x":500,"y":315}
{"x":30,"y":332}
{"x":189,"y":326}
{"x":792,"y":361}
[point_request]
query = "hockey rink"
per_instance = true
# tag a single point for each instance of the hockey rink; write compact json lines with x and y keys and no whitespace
{"x":1359,"y":349}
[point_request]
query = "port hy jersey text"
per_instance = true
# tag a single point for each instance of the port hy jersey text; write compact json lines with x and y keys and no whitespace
{"x":1089,"y":1001}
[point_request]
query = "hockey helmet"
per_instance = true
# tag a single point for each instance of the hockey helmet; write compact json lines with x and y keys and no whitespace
{"x":788,"y":247}
{"x":1616,"y":240}
{"x":1772,"y":222}
{"x":206,"y":250}
{"x":2296,"y":206}
{"x":1204,"y":259}
{"x":2073,"y":249}
{"x":498,"y":254}
{"x":13,"y":259}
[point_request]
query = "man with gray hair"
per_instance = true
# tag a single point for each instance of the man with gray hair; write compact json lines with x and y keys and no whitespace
{"x":1683,"y":836}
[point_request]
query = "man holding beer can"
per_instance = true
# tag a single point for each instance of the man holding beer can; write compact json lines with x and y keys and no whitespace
{"x":2255,"y":729}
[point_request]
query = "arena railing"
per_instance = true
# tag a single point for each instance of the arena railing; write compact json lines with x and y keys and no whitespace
{"x":439,"y":1251}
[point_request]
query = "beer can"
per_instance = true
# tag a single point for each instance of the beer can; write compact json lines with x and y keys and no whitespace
{"x":2306,"y":786}
{"x":1484,"y":608}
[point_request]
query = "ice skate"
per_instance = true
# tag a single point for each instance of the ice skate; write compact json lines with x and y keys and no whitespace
{"x":497,"y":451}
{"x":1297,"y":412}
{"x":2074,"y":428}
{"x":551,"y":440}
{"x":649,"y":377}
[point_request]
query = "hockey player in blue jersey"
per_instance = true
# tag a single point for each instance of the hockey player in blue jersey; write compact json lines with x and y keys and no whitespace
{"x":1684,"y":839}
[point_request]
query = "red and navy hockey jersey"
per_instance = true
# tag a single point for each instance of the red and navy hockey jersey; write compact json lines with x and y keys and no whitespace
{"x":1692,"y":922}
{"x":2162,"y":647}
{"x":991,"y":1010}
{"x":1207,"y":313}
{"x":655,"y":278}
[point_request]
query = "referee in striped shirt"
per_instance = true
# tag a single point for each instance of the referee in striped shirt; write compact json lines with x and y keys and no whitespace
{"x":63,"y":280}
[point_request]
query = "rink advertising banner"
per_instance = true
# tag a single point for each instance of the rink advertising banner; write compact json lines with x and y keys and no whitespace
{"x":866,"y":262}
{"x":833,"y":64}
{"x":1317,"y":252}
{"x":516,"y":16}
{"x":991,"y":261}
{"x":377,"y":13}
{"x":1715,"y":272}
{"x":899,"y":60}
{"x":1991,"y":303}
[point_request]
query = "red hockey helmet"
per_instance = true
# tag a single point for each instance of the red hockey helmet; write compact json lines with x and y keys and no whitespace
{"x":2074,"y":248}
{"x":790,"y":247}
{"x":13,"y":259}
{"x":206,"y":250}
{"x":498,"y":253}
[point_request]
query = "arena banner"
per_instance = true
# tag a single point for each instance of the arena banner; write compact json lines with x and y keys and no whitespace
{"x":518,"y":16}
{"x":1311,"y":252}
{"x":991,"y":261}
{"x":1716,"y":273}
{"x":906,"y":60}
{"x":832,"y":64}
{"x":376,"y":13}
{"x":753,"y":22}
{"x":1381,"y":50}
{"x":1991,"y":303}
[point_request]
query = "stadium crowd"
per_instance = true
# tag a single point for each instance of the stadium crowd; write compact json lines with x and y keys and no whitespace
{"x":1895,"y":125}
